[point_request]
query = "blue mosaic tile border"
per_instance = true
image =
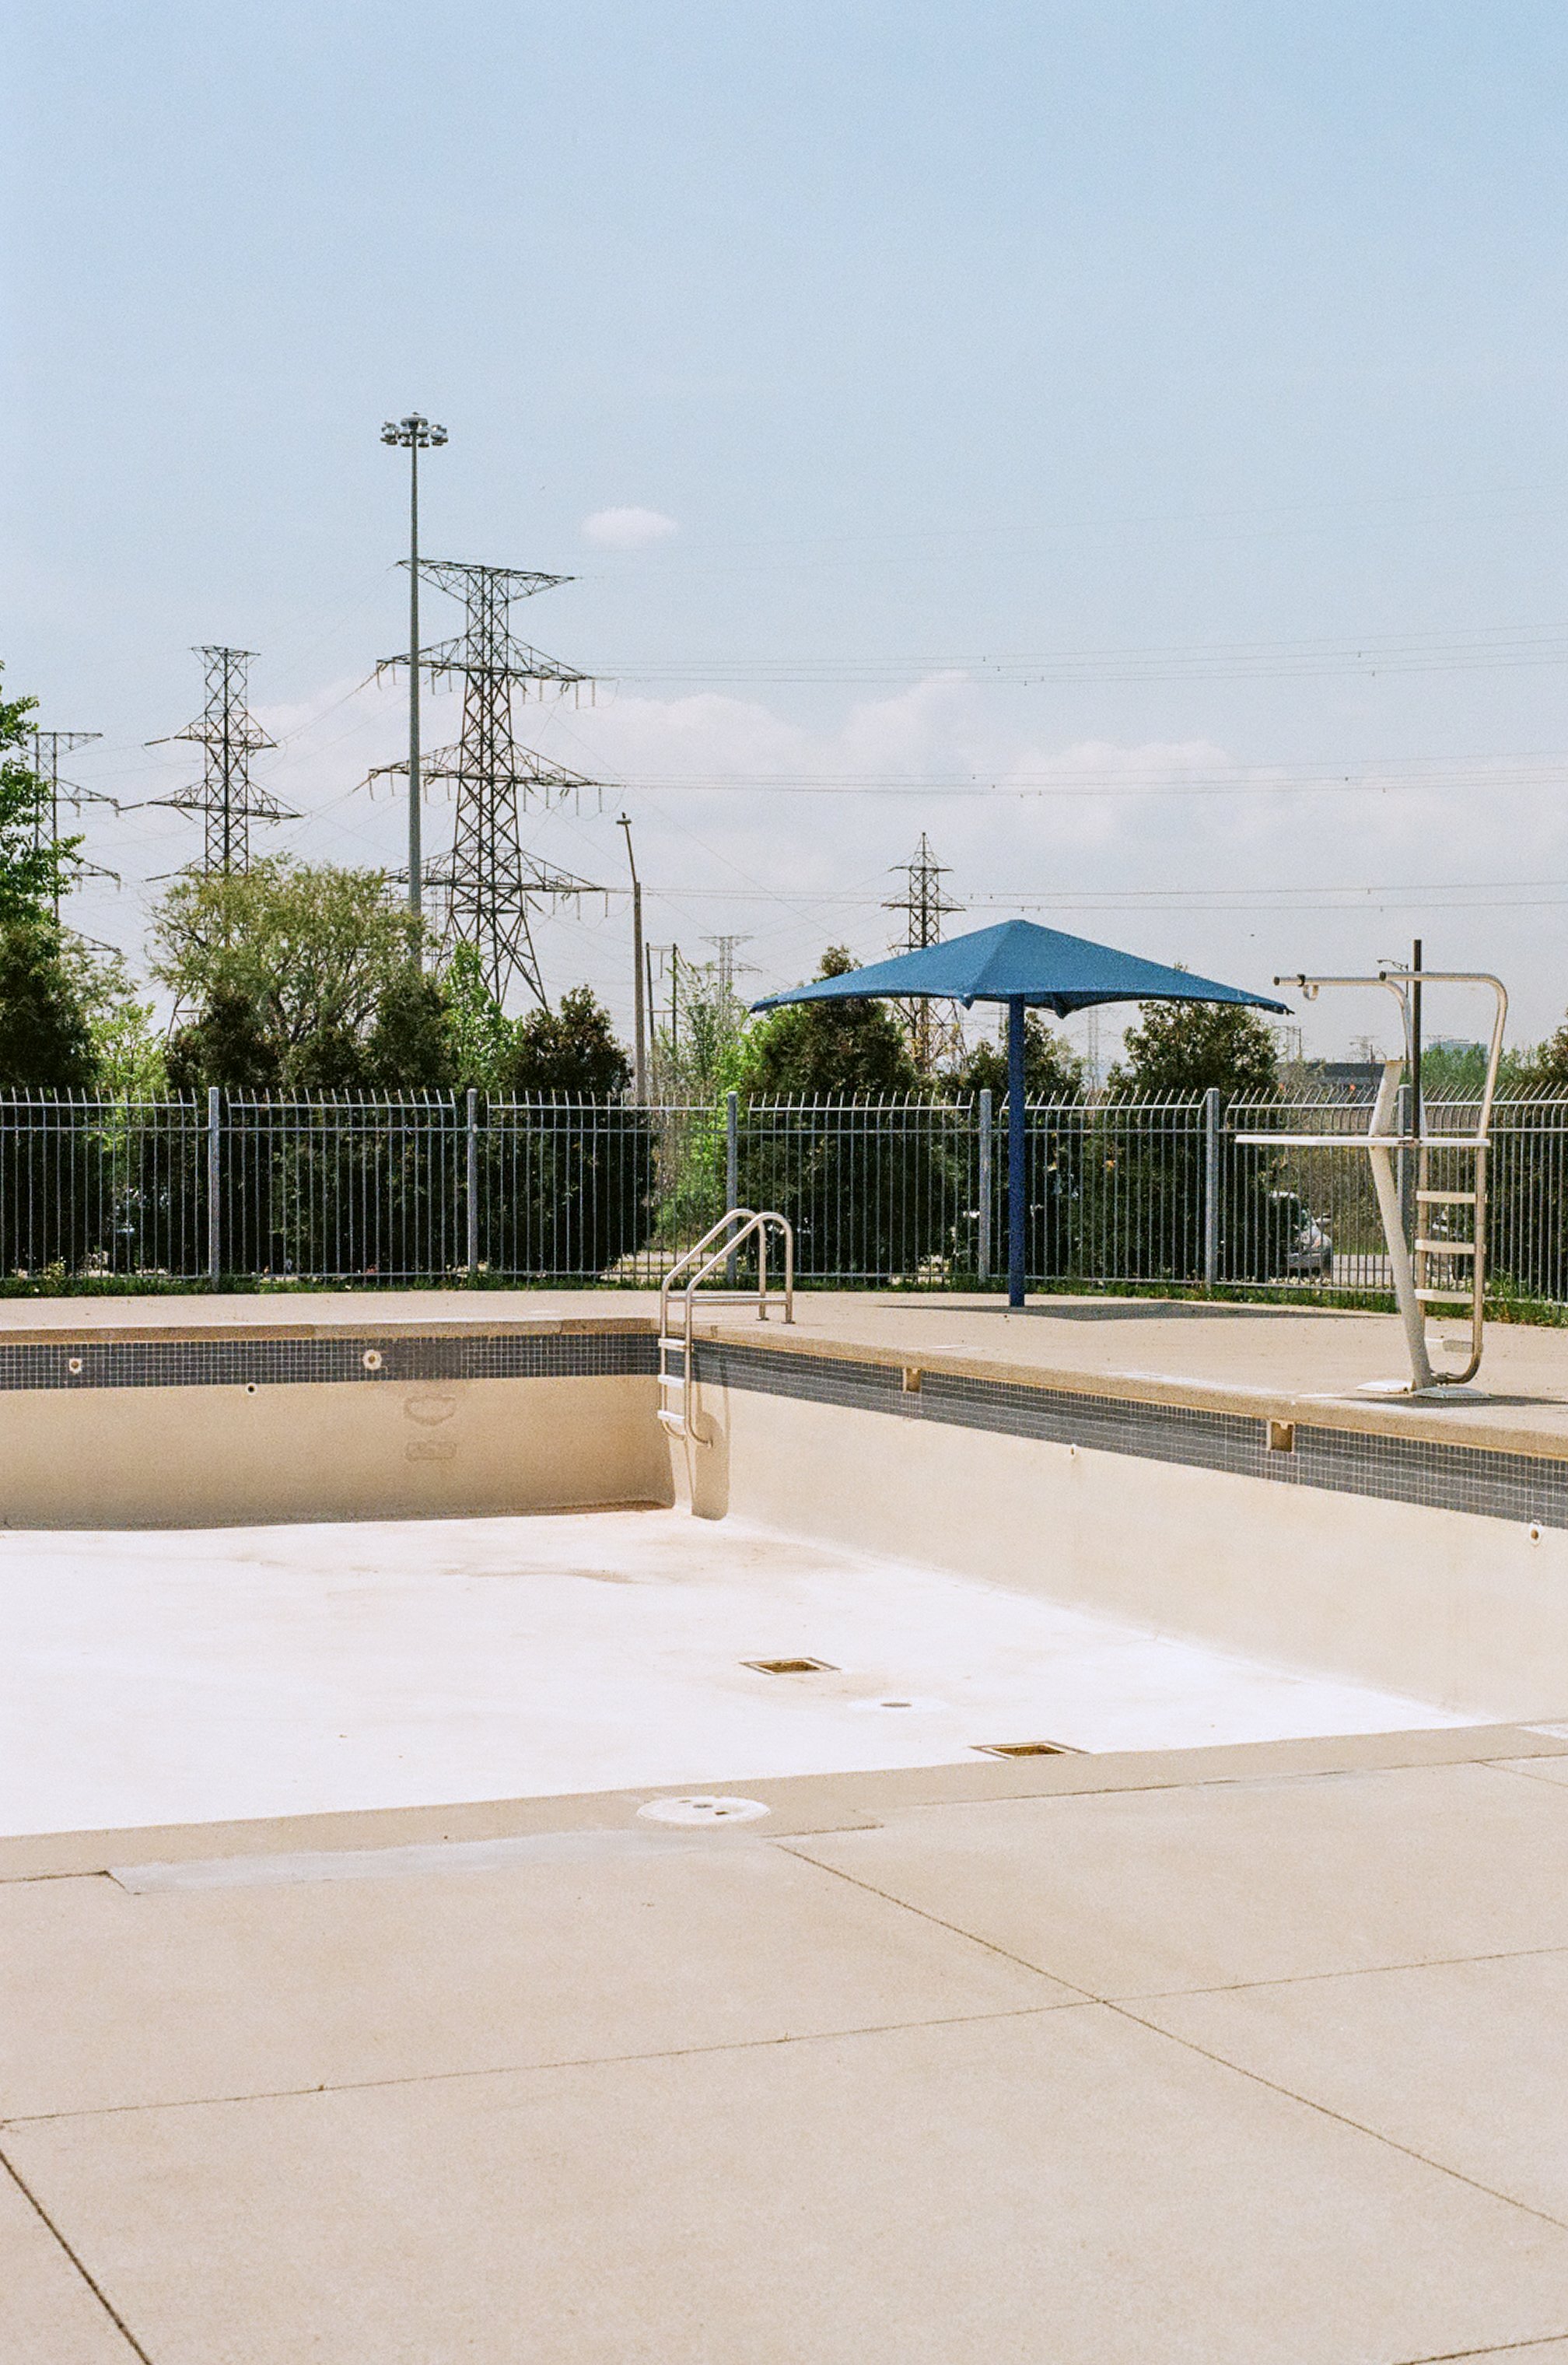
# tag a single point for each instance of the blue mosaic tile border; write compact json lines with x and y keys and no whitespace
{"x":1526,"y":1488}
{"x":284,"y":1362}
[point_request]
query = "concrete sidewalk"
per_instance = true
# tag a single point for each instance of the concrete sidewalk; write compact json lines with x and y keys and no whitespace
{"x":1257,"y":2060}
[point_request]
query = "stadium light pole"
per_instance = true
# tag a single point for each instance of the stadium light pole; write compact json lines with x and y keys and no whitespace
{"x":414,"y":434}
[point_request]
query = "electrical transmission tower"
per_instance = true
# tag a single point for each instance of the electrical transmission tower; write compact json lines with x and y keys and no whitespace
{"x":925,"y":907}
{"x":226,"y":796}
{"x":726,"y":967}
{"x":489,"y":884}
{"x":48,"y":748}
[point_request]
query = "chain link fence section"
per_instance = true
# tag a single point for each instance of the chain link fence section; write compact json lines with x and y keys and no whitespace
{"x":901,"y":1192}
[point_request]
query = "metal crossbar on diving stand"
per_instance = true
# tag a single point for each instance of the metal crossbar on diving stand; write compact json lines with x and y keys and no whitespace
{"x":1440,"y":1265}
{"x":734,"y":1227}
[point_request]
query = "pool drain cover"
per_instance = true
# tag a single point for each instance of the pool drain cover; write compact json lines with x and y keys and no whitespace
{"x":1026,"y":1748}
{"x":790,"y":1667}
{"x":702,"y":1809}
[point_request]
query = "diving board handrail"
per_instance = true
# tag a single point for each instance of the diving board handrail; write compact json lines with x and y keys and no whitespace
{"x":1411,"y":1262}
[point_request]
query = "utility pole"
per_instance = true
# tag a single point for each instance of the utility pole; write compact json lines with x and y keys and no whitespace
{"x":48,"y":748}
{"x":229,"y":734}
{"x":639,"y":1050}
{"x":925,"y":907}
{"x":414,"y":434}
{"x":489,"y":883}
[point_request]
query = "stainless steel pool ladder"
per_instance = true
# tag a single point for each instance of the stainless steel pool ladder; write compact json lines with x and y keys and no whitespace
{"x":1426,"y":1269}
{"x":717,"y":1247}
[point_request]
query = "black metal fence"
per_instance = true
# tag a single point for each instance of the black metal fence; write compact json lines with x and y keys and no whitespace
{"x":898,"y":1192}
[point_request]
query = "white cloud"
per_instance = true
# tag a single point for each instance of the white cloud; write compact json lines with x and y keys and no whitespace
{"x":628,"y":529}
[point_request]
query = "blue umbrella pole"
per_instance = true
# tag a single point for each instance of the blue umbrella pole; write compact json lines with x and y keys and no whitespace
{"x":1017,"y":1187}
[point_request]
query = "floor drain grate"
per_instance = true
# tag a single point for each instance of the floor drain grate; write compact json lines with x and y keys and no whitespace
{"x":790,"y":1667}
{"x":1026,"y":1748}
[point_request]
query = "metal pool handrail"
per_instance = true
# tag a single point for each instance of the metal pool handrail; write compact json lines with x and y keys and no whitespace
{"x":705,"y":1259}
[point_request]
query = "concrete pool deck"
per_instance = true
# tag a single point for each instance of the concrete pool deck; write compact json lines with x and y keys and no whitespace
{"x":1300,"y":1363}
{"x":1246,"y":2056}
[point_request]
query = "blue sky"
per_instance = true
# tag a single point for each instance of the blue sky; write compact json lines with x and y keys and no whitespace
{"x":975,"y":356}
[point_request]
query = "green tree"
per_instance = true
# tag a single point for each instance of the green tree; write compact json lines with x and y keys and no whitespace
{"x":1193,"y":1046}
{"x":571,"y":1051}
{"x":1052,"y":1068}
{"x":35,"y":870}
{"x":569,"y":1188}
{"x":818,"y":1047}
{"x":1144,"y":1216}
{"x":481,"y":1031}
{"x":55,"y":1180}
{"x":285,"y":968}
{"x":46,"y":1035}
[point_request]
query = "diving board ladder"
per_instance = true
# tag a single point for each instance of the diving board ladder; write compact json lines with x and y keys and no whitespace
{"x":1444,"y":1263}
{"x":718,"y":1245}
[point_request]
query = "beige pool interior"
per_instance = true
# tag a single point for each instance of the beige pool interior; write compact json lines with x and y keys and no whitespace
{"x":360,"y":2001}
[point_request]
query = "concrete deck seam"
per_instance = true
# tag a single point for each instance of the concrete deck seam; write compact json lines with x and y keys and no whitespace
{"x":1498,"y":1765}
{"x":530,"y":2068}
{"x":954,"y":1928}
{"x":1493,"y":2348}
{"x":36,"y":2205}
{"x":1343,"y":2118}
{"x":1120,"y":2006}
{"x":1352,"y":1971}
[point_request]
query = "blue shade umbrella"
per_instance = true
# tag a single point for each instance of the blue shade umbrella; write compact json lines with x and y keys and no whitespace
{"x":1026,"y":966}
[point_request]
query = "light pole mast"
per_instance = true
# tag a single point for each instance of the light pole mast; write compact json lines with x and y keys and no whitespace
{"x":414,"y":434}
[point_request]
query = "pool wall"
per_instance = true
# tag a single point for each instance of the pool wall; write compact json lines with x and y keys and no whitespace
{"x":1470,"y":1611}
{"x":148,"y":1456}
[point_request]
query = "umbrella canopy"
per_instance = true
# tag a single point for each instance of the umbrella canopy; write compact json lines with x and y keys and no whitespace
{"x":1018,"y":961}
{"x":1026,"y":966}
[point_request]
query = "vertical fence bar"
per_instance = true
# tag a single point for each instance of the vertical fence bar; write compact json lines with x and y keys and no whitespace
{"x":732,"y":1172}
{"x":986,"y":1140}
{"x":214,"y":1186}
{"x":471,"y":1182}
{"x":1211,"y":1186}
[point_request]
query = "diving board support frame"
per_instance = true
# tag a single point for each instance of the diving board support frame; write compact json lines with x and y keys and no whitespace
{"x":1416,"y":1264}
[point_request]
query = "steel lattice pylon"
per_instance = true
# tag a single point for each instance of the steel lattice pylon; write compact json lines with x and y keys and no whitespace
{"x":226,"y":796}
{"x":489,"y":883}
{"x":48,"y":748}
{"x":932,"y":1036}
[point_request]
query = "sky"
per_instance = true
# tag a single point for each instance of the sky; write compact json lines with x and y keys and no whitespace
{"x":1124,"y":441}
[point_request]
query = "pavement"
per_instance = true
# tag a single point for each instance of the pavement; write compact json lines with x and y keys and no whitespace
{"x":1241,"y":2057}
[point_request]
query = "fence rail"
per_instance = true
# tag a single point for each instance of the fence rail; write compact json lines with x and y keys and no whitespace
{"x":900,"y":1190}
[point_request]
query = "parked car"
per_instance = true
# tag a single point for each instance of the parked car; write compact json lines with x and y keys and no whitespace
{"x":1304,"y":1245}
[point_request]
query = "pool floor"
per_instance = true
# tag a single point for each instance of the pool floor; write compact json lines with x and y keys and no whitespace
{"x":188,"y":1677}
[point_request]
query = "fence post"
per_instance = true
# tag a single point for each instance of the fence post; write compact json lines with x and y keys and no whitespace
{"x":982,"y":1254}
{"x":732,"y":1173}
{"x":214,"y":1186}
{"x":1211,"y":1186}
{"x":471,"y":1182}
